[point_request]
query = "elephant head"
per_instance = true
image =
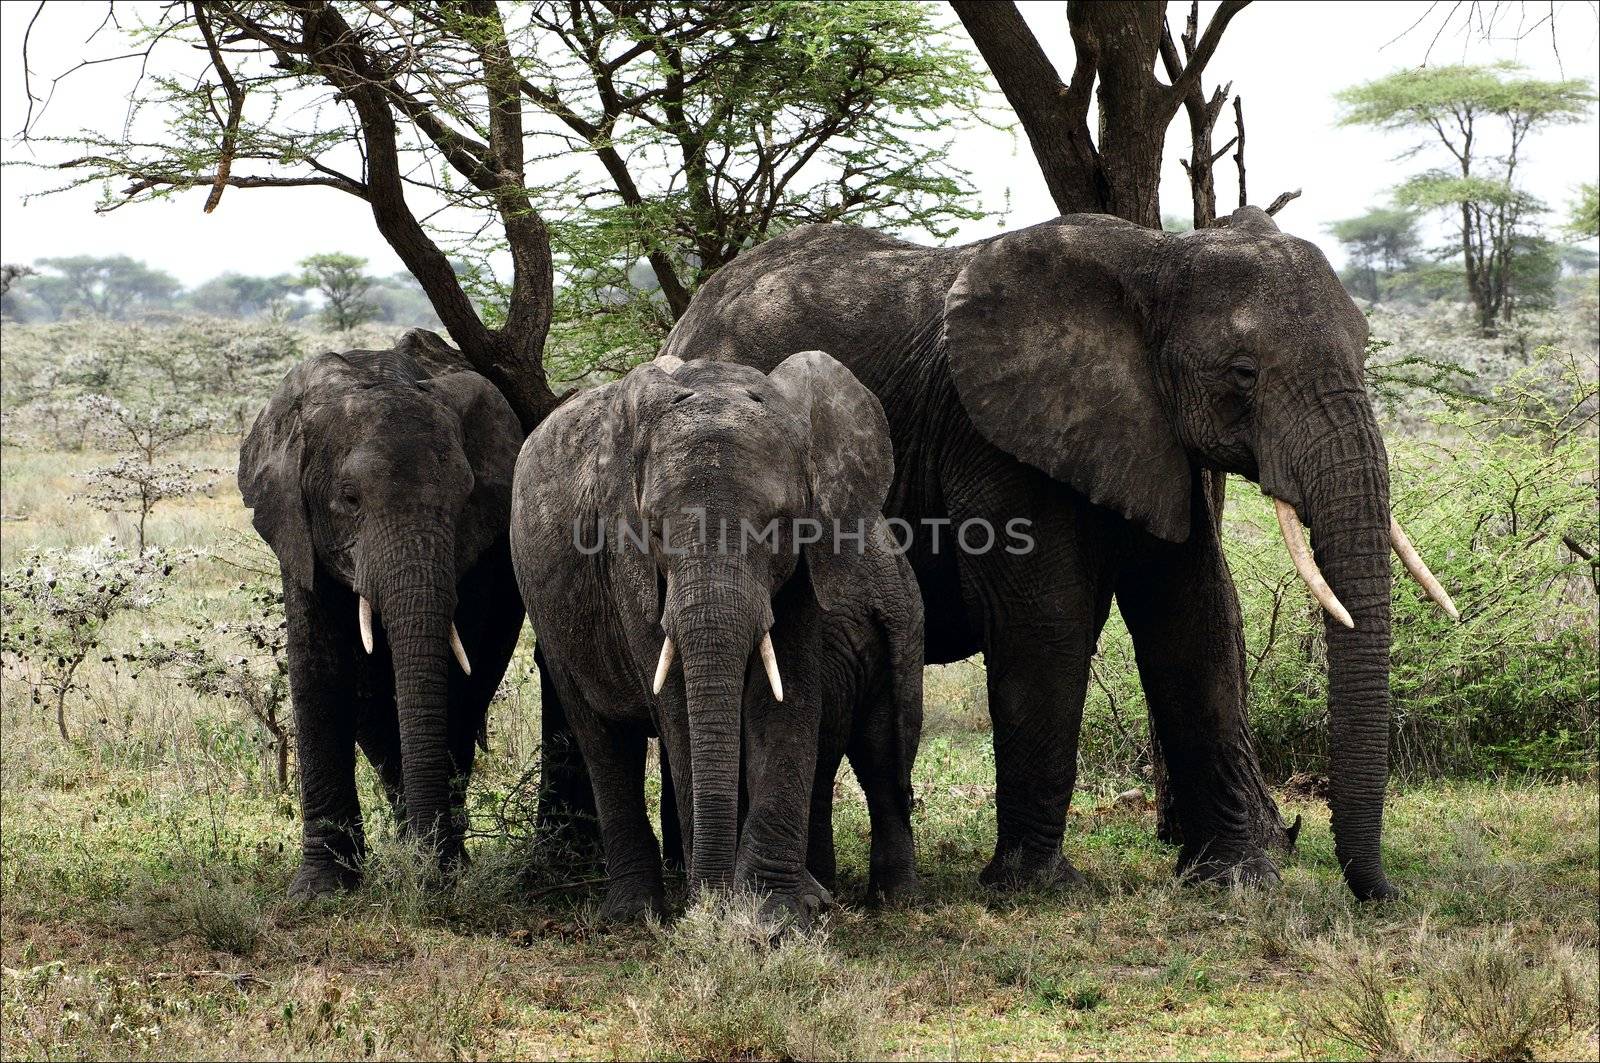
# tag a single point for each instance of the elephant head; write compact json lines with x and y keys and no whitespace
{"x":1118,"y":359}
{"x":366,"y":471}
{"x":735,"y":479}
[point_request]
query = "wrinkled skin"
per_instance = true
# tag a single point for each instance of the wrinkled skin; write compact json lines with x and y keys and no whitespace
{"x":387,"y":474}
{"x":678,"y":451}
{"x":1080,"y":374}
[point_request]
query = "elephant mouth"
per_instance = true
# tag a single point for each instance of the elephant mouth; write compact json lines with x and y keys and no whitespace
{"x":364,"y":619}
{"x":769,"y":662}
{"x":1305,"y":565}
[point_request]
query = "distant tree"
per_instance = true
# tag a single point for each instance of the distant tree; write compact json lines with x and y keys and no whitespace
{"x":1454,"y":105}
{"x":1584,"y":222}
{"x":105,"y":287}
{"x":242,"y":295}
{"x":9,"y":273}
{"x":344,"y":285}
{"x":399,"y":300}
{"x":1378,"y":243}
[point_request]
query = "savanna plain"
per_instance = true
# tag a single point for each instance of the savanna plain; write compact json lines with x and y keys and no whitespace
{"x":150,"y":824}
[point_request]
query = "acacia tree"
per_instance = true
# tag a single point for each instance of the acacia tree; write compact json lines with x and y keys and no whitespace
{"x":1456,"y":106}
{"x":755,"y":116}
{"x":105,"y":287}
{"x":344,"y":285}
{"x":1378,"y":243}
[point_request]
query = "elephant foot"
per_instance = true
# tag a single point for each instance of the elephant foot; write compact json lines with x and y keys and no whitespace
{"x":320,"y":879}
{"x":799,"y":907}
{"x":894,"y":889}
{"x":1252,"y":868}
{"x":632,"y":902}
{"x":1019,"y":870}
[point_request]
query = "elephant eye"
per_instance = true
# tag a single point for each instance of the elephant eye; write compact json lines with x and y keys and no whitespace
{"x":1244,"y":375}
{"x":754,"y":397}
{"x":349,"y":500}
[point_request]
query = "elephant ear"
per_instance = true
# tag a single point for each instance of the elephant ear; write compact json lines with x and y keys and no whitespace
{"x":492,"y":435}
{"x":851,"y":461}
{"x":270,"y":465}
{"x":1046,"y":341}
{"x":616,"y":480}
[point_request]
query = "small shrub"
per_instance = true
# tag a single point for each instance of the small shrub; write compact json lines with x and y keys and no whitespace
{"x":55,"y":605}
{"x":1356,"y":1010}
{"x":1498,"y":1002}
{"x":722,"y":988}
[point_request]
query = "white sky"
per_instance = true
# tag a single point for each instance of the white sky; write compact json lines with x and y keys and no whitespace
{"x":1285,"y":58}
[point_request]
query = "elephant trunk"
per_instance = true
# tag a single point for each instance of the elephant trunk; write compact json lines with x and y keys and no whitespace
{"x":415,"y":591}
{"x":715,"y":616}
{"x":1346,"y":499}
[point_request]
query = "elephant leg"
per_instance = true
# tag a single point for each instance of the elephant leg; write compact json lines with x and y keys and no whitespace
{"x":820,"y":857}
{"x":880,"y":766}
{"x":780,"y":773}
{"x":672,"y":854}
{"x":1037,"y":682}
{"x":566,"y":794}
{"x":321,"y":652}
{"x":615,"y":754}
{"x":1183,"y":613}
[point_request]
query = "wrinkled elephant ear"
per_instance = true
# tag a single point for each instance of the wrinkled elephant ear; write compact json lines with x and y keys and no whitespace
{"x":851,"y":462}
{"x":269,"y":476}
{"x":491,"y":436}
{"x":616,"y":479}
{"x":1046,"y":340}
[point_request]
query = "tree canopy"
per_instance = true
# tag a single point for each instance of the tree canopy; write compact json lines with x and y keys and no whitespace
{"x":1455,"y":107}
{"x":576,"y":136}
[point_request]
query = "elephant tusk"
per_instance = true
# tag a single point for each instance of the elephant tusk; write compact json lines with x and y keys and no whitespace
{"x":1419,"y":571}
{"x":459,"y":650}
{"x":769,"y":661}
{"x":1306,"y":565}
{"x":365,"y":616}
{"x":668,"y":652}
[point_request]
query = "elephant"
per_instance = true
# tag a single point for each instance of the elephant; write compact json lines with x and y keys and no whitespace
{"x":666,"y":531}
{"x":382,"y":481}
{"x":1080,"y":374}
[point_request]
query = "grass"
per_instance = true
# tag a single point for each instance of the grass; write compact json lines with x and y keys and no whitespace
{"x":143,"y":869}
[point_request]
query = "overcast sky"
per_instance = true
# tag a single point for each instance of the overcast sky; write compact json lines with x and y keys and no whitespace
{"x":1285,"y":58}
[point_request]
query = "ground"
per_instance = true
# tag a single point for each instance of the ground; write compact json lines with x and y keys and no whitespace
{"x":143,"y":868}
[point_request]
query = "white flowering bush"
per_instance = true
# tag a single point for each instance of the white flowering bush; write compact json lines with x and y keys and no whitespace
{"x":55,"y":607}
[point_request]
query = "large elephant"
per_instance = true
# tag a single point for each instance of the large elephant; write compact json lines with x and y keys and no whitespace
{"x":382,"y":481}
{"x":661,"y":531}
{"x":1080,"y":374}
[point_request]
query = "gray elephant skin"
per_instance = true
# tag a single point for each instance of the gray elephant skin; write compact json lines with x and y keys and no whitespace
{"x":1079,"y":374}
{"x":758,"y":662}
{"x":382,"y":481}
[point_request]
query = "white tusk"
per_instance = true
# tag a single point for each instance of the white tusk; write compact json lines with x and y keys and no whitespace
{"x":668,"y":652}
{"x":769,"y":661}
{"x":1306,"y":565}
{"x":365,"y":614}
{"x":460,"y":650}
{"x":1419,"y":571}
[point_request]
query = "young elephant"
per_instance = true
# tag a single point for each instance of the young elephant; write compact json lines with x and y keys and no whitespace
{"x":673,"y":534}
{"x":382,"y":480}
